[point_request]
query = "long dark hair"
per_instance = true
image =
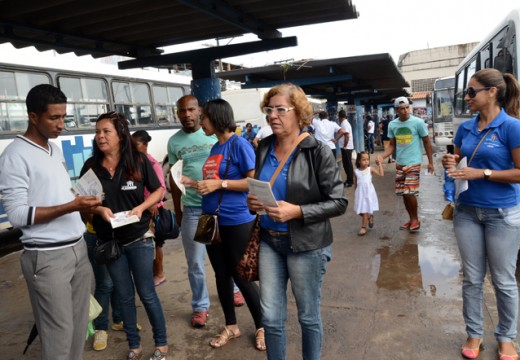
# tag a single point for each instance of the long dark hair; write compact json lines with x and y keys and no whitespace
{"x":508,"y":89}
{"x":129,"y":156}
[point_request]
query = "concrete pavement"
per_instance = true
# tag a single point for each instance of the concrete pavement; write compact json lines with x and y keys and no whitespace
{"x":387,"y":295}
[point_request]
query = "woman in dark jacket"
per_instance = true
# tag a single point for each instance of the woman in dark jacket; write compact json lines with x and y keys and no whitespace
{"x":296,"y":236}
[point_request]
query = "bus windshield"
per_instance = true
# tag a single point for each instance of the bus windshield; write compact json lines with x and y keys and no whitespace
{"x":442,"y":111}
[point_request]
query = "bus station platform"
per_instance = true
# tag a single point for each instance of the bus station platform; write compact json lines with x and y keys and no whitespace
{"x":390,"y":294}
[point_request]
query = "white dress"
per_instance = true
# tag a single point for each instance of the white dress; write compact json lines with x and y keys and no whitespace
{"x":365,"y":197}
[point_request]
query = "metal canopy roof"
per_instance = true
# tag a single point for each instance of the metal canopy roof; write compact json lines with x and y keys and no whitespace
{"x":373,"y":79}
{"x":138,"y":28}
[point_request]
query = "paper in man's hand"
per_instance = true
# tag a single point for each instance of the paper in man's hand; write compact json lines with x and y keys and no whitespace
{"x":88,"y":185}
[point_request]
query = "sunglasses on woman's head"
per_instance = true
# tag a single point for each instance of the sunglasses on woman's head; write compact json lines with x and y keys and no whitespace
{"x":472,"y":92}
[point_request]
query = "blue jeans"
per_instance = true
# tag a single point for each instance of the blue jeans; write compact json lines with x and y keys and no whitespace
{"x":103,"y":291}
{"x":493,"y":235}
{"x":195,"y":257}
{"x":135,"y":268}
{"x":306,"y":269}
{"x":371,"y":142}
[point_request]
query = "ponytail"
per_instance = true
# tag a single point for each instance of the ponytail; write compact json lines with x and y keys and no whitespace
{"x":511,"y":100}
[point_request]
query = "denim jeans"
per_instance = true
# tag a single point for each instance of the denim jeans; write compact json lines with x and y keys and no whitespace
{"x":371,"y":142}
{"x":306,"y":269}
{"x":196,"y":257}
{"x":492,"y":236}
{"x":103,"y":291}
{"x":135,"y":268}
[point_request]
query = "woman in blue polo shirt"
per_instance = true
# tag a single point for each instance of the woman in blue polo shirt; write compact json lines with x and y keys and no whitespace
{"x":487,"y":214}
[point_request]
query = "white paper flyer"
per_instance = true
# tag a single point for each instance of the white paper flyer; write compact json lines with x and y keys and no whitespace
{"x":176,"y":174}
{"x":123,"y":219}
{"x":88,"y":185}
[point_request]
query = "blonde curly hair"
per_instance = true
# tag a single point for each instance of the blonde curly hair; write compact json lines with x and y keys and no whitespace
{"x":297,"y":98}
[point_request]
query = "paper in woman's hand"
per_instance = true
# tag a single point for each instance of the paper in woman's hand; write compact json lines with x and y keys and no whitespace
{"x":88,"y":185}
{"x":461,"y":185}
{"x":262,"y":190}
{"x":176,"y":174}
{"x":122,"y":219}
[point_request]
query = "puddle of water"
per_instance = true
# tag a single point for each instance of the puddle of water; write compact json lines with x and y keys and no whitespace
{"x":428,"y":270}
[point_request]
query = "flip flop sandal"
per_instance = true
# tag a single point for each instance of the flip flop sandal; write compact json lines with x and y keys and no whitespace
{"x":405,"y":226}
{"x":223,"y":338}
{"x":260,"y":339}
{"x":159,"y":355}
{"x":133,"y":355}
{"x":415,"y":226}
{"x":362,"y":231}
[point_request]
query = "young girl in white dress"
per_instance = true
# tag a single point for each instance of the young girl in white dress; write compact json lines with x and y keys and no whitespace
{"x":365,"y":197}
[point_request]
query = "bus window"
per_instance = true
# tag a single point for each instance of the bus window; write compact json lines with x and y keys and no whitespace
{"x":502,"y":42}
{"x":459,"y":93}
{"x":15,"y":86}
{"x":165,"y":98}
{"x":86,"y":99}
{"x":133,"y":100}
{"x":470,"y":70}
{"x":485,"y":58}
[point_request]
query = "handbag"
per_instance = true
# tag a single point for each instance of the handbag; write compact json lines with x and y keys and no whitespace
{"x":247,"y":267}
{"x":107,"y":252}
{"x":207,"y":232}
{"x":165,"y":225}
{"x":447,"y":212}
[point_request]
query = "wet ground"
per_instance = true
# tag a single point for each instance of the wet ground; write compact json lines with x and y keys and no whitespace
{"x":387,"y":295}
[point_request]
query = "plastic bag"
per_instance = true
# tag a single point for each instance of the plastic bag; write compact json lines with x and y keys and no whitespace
{"x":94,"y":309}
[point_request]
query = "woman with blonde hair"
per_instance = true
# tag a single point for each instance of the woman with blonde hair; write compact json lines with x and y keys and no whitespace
{"x":295,"y":236}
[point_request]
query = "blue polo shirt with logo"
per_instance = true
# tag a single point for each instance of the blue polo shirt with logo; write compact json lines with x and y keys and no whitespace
{"x":495,"y":154}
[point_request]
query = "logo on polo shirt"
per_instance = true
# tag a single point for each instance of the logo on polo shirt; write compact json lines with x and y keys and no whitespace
{"x":129,"y":186}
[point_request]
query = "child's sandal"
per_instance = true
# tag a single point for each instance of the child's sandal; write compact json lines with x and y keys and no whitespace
{"x":362,"y":231}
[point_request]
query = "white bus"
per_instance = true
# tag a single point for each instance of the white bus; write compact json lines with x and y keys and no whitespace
{"x":498,"y":50}
{"x":442,"y":111}
{"x":147,"y":98}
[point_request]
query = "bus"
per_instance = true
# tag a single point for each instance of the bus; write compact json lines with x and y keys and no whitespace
{"x":498,"y":50}
{"x":147,"y":98}
{"x":442,"y":111}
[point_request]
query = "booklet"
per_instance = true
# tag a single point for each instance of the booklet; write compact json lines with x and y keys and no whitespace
{"x":123,"y":219}
{"x":88,"y":185}
{"x":262,"y":189}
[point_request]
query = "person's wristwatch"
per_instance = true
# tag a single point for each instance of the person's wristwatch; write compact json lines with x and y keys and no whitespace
{"x":224,"y":184}
{"x":487,"y":174}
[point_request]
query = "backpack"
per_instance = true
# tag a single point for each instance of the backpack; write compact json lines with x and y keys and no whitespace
{"x":165,"y":225}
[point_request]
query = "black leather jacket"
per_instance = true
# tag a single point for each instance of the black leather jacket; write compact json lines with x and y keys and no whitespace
{"x":314,"y":183}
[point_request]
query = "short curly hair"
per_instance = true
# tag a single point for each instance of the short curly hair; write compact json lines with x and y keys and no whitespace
{"x":297,"y":98}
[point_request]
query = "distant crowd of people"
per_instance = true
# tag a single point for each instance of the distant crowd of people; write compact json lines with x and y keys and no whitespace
{"x":295,"y":236}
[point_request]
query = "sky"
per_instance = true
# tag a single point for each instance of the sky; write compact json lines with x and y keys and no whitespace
{"x":383,"y":26}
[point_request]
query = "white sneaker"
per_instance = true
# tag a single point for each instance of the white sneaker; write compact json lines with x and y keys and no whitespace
{"x":100,"y":340}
